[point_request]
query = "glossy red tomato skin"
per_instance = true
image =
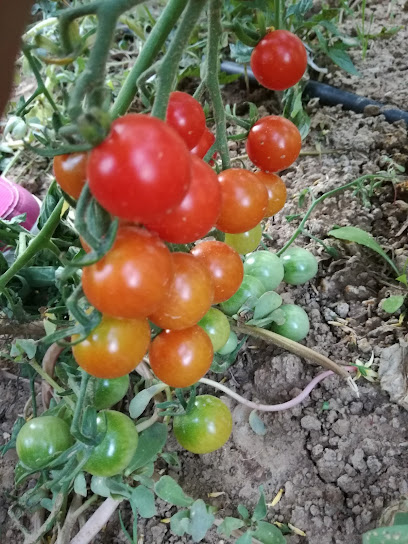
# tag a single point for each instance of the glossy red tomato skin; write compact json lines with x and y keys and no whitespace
{"x":224,"y":265}
{"x":114,"y":348}
{"x":279,"y":60}
{"x":198,"y":211}
{"x":132,"y":278}
{"x":188,"y":297}
{"x":186,"y":115}
{"x":70,"y":172}
{"x":244,"y":199}
{"x":141,"y":170}
{"x":204,"y":144}
{"x":276,"y":192}
{"x":273,"y":143}
{"x":181,"y":358}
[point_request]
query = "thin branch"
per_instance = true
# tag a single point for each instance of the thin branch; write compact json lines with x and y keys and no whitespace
{"x":96,"y":522}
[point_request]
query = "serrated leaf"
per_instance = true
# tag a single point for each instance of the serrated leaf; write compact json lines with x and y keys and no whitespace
{"x":179,"y":523}
{"x":151,"y":442}
{"x":80,"y":485}
{"x":240,"y":52}
{"x":21,"y":346}
{"x":246,"y":538}
{"x":243,"y":512}
{"x":139,"y":403}
{"x":256,"y":423}
{"x":268,"y":533}
{"x":261,"y":509}
{"x":143,"y":500}
{"x":266,"y":304}
{"x":392,"y":303}
{"x":343,"y":60}
{"x":385,"y":535}
{"x":228,"y":525}
{"x":200,"y":520}
{"x":99,"y":487}
{"x":169,"y":490}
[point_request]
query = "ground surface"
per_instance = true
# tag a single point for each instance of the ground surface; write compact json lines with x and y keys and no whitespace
{"x":340,"y":463}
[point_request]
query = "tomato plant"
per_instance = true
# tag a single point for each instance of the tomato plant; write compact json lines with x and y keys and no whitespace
{"x":250,"y":287}
{"x":224,"y":265}
{"x":279,"y":60}
{"x":266,"y":267}
{"x":245,"y":242}
{"x":197,"y":213}
{"x":70,"y":172}
{"x":296,"y":326}
{"x":206,"y":428}
{"x":186,"y":116}
{"x":132,"y":179}
{"x":276,"y":192}
{"x":188,"y":297}
{"x":181,"y":358}
{"x":273,"y":143}
{"x":41,"y":440}
{"x":299,"y":265}
{"x":117,"y":447}
{"x":217,"y":326}
{"x":244,"y":199}
{"x":204,"y":144}
{"x":132,"y":278}
{"x":114,"y":348}
{"x":110,"y":392}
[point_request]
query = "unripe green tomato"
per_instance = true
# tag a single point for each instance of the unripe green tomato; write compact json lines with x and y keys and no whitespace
{"x":245,"y":242}
{"x":217,"y":326}
{"x":231,"y":344}
{"x":110,"y":392}
{"x":117,"y":447}
{"x":250,"y":287}
{"x":41,"y":440}
{"x":296,"y":326}
{"x":206,"y":427}
{"x":299,"y":264}
{"x":266,"y":267}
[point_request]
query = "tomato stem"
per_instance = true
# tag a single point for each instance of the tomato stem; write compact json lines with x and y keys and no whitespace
{"x":79,"y":409}
{"x":167,"y":72}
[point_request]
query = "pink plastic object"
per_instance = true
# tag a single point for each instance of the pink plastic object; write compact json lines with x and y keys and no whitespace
{"x":15,"y":200}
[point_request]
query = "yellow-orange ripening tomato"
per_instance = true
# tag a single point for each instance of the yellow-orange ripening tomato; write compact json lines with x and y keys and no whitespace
{"x":70,"y":172}
{"x":244,"y":199}
{"x":188,"y":297}
{"x":276,"y":192}
{"x":181,"y":358}
{"x":114,"y":348}
{"x":132,"y":278}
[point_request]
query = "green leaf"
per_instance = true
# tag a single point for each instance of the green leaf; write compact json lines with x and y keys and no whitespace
{"x":403,"y":279}
{"x":143,"y":500}
{"x":11,"y":444}
{"x":266,"y":304}
{"x":139,"y":403}
{"x":385,"y":535}
{"x":261,"y":508}
{"x":99,"y":487}
{"x":243,"y":512}
{"x":200,"y":520}
{"x":228,"y":525}
{"x":256,"y":423}
{"x":21,"y":346}
{"x":246,"y":538}
{"x":169,"y":490}
{"x":278,"y":316}
{"x":354,"y":234}
{"x":151,"y":442}
{"x":171,"y":459}
{"x":80,"y":485}
{"x":240,"y":52}
{"x":343,"y":60}
{"x":392,"y":303}
{"x":268,"y":533}
{"x":179,"y":523}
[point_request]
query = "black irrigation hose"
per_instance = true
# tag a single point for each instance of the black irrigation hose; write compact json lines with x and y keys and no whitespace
{"x":330,"y":96}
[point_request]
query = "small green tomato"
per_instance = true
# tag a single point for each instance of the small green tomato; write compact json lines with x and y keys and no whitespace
{"x":266,"y":267}
{"x":296,"y":326}
{"x":300,"y":266}
{"x":217,"y":326}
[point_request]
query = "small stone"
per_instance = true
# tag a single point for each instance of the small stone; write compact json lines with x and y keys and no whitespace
{"x":373,"y":464}
{"x":341,"y":427}
{"x":371,"y":110}
{"x":348,"y":484}
{"x":342,"y":309}
{"x":310,"y":423}
{"x":357,"y":460}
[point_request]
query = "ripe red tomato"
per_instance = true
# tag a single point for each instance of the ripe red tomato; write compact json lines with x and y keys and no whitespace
{"x":243,"y":200}
{"x":273,"y":143}
{"x":225,"y":267}
{"x":181,"y":358}
{"x":141,"y":170}
{"x":114,"y":348}
{"x":197,"y":213}
{"x":187,"y":117}
{"x":188,"y":297}
{"x":132,"y":278}
{"x":206,"y":141}
{"x":70,"y":172}
{"x":279,"y":60}
{"x":276,"y":192}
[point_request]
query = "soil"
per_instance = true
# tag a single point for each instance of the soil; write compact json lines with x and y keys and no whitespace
{"x":340,"y":459}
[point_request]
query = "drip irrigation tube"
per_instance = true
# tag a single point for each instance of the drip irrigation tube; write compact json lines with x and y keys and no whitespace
{"x":330,"y":96}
